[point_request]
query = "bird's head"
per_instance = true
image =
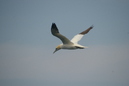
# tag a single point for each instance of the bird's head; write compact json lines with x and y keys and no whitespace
{"x":57,"y":48}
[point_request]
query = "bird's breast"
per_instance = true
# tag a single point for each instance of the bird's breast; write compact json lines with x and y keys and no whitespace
{"x":68,"y":47}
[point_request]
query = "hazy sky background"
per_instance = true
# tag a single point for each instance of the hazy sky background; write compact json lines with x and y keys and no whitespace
{"x":26,"y":43}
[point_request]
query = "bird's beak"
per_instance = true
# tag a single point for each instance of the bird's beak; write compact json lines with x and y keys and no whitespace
{"x":55,"y":50}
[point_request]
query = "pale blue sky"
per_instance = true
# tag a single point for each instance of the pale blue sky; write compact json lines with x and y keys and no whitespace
{"x":26,"y":43}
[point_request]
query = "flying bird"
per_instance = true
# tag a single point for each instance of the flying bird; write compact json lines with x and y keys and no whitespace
{"x":68,"y":44}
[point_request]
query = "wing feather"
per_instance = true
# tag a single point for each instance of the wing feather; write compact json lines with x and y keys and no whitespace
{"x":79,"y":36}
{"x":55,"y":32}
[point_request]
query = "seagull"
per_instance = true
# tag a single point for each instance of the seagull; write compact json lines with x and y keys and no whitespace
{"x":69,"y":44}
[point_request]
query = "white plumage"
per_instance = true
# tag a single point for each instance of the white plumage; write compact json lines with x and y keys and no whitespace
{"x":67,"y":44}
{"x":77,"y":38}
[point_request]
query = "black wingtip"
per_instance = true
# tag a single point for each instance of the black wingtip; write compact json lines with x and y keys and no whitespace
{"x":87,"y":30}
{"x":92,"y":26}
{"x":54,"y":28}
{"x":54,"y":25}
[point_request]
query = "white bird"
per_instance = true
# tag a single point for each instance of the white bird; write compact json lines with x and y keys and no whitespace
{"x":67,"y":44}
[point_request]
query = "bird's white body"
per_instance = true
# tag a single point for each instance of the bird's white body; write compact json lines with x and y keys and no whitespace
{"x":69,"y":44}
{"x":72,"y":46}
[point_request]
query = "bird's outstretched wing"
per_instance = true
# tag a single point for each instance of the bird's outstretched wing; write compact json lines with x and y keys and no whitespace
{"x":78,"y":37}
{"x":55,"y":32}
